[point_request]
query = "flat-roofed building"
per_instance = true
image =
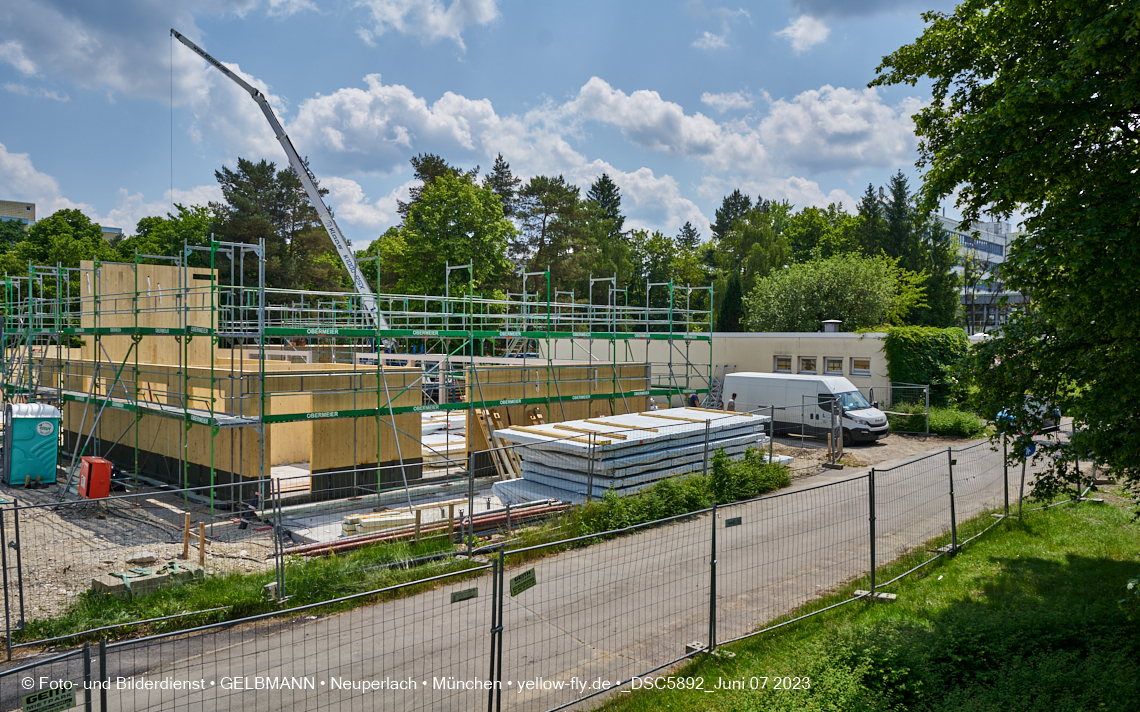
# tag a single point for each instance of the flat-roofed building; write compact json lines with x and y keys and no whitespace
{"x":16,"y":210}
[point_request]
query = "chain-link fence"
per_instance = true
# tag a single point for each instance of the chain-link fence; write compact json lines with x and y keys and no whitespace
{"x":128,"y":544}
{"x":549,"y":626}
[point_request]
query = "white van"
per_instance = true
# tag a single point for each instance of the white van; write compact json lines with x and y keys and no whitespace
{"x":862,"y":421}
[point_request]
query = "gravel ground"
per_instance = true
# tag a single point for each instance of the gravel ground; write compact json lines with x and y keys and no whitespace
{"x":64,"y":547}
{"x":810,"y":453}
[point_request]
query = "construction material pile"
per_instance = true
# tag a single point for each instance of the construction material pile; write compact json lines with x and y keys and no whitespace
{"x":622,"y":453}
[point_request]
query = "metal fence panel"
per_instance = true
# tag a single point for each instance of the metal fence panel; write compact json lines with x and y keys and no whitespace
{"x":605,"y":613}
{"x":912,"y":505}
{"x":777,"y":553}
{"x":423,"y":652}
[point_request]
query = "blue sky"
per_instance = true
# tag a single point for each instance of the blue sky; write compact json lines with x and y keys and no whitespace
{"x":680,"y":102}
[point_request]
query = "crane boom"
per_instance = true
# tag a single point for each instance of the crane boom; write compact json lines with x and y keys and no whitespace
{"x":367,"y":298}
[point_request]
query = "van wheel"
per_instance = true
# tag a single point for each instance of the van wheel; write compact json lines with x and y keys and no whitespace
{"x":848,"y":441}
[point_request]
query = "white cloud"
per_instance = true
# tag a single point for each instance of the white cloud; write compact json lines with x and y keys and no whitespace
{"x":351,"y":206}
{"x":725,"y":102}
{"x":650,"y":121}
{"x":12,"y":52}
{"x":840,"y":129}
{"x":805,"y":32}
{"x":36,"y":92}
{"x":427,"y":19}
{"x":19,"y":180}
{"x":708,"y":40}
{"x":132,"y":207}
{"x":801,"y":192}
{"x":284,"y":8}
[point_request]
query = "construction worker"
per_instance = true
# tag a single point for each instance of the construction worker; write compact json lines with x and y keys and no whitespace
{"x":731,"y":407}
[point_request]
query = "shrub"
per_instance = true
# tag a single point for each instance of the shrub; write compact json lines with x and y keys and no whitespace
{"x":928,"y":356}
{"x":943,"y":421}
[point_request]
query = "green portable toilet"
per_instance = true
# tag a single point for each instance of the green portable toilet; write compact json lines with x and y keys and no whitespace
{"x":31,"y":443}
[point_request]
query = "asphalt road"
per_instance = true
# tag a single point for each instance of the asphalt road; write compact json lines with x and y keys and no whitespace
{"x":595,"y":615}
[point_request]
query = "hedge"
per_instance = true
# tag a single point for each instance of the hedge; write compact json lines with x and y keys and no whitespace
{"x":931,"y":356}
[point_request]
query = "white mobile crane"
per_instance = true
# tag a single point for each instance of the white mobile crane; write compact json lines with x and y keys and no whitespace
{"x":367,"y":298}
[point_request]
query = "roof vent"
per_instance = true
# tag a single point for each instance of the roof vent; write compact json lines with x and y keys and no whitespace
{"x":831,"y":326}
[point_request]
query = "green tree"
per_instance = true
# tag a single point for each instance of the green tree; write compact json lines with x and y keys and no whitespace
{"x":426,"y":167}
{"x":166,"y":236}
{"x":262,"y":202}
{"x":688,"y":238}
{"x":503,"y":183}
{"x":67,"y":237}
{"x":871,"y":231}
{"x":815,"y":233}
{"x":12,"y":232}
{"x":562,"y":231}
{"x":605,"y":194}
{"x":860,"y":291}
{"x":730,"y":310}
{"x":455,"y":220}
{"x":1033,"y":110}
{"x":732,"y":206}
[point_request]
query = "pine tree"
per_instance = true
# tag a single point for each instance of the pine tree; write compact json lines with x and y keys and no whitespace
{"x":605,"y":194}
{"x":688,"y":238}
{"x":734,"y":206}
{"x":504,"y":184}
{"x":871,"y":234}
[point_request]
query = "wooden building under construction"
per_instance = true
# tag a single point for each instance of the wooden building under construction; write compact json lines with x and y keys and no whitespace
{"x":175,"y":377}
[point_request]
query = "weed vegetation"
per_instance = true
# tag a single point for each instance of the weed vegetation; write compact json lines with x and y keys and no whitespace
{"x":243,"y":595}
{"x":943,"y":421}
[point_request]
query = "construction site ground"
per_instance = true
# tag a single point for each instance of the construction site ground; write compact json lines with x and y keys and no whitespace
{"x":809,"y":453}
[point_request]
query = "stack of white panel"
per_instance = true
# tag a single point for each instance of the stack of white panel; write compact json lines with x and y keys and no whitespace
{"x":622,"y":453}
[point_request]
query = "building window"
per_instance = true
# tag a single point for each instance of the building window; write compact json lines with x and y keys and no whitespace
{"x":807,"y":364}
{"x":833,"y":366}
{"x":860,"y":367}
{"x":783,"y":364}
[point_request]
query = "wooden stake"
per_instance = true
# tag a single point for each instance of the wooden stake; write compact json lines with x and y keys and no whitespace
{"x":418,"y":512}
{"x":451,"y":522}
{"x":186,"y":537}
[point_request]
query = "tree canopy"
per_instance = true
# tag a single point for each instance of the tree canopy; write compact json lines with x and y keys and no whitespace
{"x":860,"y":291}
{"x":1036,"y":109}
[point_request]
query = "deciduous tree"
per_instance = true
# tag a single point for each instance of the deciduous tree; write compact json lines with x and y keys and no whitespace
{"x":1034,"y":109}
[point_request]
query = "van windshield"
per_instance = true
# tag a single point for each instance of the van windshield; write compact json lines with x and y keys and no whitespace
{"x":853,"y":400}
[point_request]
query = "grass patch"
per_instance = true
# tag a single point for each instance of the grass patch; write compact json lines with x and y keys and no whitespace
{"x":943,"y":421}
{"x":1026,"y":617}
{"x":306,"y":581}
{"x":728,"y":481}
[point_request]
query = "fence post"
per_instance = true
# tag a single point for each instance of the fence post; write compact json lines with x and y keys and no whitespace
{"x":23,"y":622}
{"x":499,"y":666}
{"x":87,"y":677}
{"x":871,"y":520}
{"x":1005,"y":471}
{"x":494,"y":627}
{"x":103,"y":679}
{"x":4,"y":565}
{"x":712,"y":586}
{"x":926,"y":391}
{"x":953,"y":509}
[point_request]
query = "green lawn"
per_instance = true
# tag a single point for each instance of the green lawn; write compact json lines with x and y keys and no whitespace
{"x":1025,"y":618}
